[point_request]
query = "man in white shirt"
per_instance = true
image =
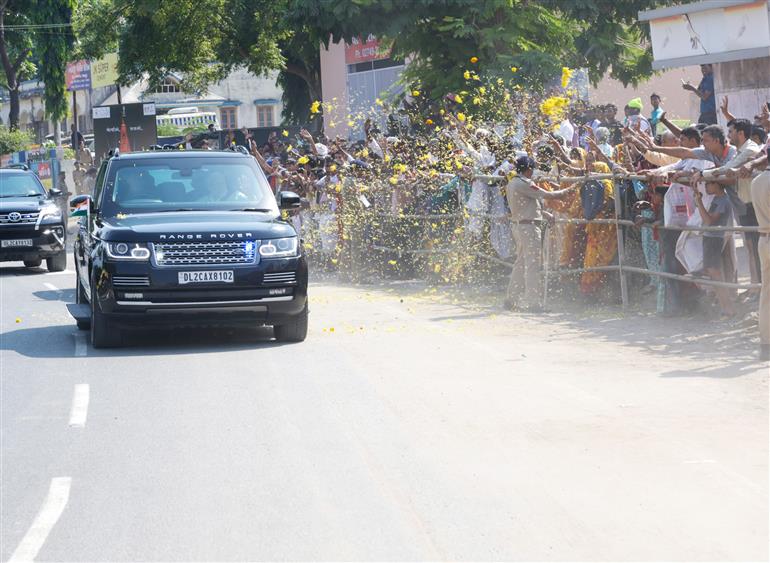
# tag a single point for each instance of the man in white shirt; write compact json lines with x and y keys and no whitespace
{"x":678,"y":207}
{"x":739,"y":189}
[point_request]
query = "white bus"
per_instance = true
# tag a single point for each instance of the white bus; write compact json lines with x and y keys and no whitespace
{"x":187,"y":117}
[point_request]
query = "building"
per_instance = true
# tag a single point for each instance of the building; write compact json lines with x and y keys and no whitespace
{"x":241,"y":99}
{"x":352,"y":78}
{"x":732,"y":35}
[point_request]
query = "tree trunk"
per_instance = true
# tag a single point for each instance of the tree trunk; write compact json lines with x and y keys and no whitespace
{"x":313,"y":84}
{"x":11,"y":73}
{"x":13,"y":113}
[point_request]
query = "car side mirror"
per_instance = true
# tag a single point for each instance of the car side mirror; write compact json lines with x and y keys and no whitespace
{"x":77,"y":202}
{"x":55,"y":192}
{"x":289,"y":200}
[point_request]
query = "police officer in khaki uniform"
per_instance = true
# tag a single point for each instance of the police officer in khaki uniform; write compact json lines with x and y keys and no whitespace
{"x":525,"y":201}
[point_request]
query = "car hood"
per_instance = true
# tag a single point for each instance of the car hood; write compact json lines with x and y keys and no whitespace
{"x":21,"y":204}
{"x":193,"y":225}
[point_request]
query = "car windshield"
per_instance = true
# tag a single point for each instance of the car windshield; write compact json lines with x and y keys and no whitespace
{"x":19,"y":185}
{"x":186,"y":184}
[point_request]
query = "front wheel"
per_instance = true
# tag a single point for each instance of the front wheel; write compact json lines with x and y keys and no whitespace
{"x":103,"y":333}
{"x":57,"y":262}
{"x":294,"y":330}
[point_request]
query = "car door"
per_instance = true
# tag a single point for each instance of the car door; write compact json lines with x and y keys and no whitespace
{"x":85,"y":240}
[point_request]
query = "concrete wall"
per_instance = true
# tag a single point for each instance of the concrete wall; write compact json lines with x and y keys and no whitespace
{"x":334,"y":89}
{"x":677,"y":102}
{"x":747,"y":85}
{"x":243,"y":86}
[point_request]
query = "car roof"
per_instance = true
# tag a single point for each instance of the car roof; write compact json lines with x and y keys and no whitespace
{"x":194,"y":153}
{"x":16,"y":171}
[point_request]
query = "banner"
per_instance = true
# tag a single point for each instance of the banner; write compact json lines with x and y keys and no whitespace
{"x":78,"y":76}
{"x":128,"y":127}
{"x":362,"y":51}
{"x":104,"y":71}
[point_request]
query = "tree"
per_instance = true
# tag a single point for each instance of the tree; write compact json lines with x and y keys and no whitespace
{"x":52,"y":48}
{"x":204,"y":39}
{"x":15,"y":50}
{"x":35,"y":30}
{"x":536,"y":37}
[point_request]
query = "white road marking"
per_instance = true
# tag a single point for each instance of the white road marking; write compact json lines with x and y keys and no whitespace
{"x":81,"y":344}
{"x":63,"y":272}
{"x":55,"y":502}
{"x":79,"y":410}
{"x":50,"y":286}
{"x":700,"y":461}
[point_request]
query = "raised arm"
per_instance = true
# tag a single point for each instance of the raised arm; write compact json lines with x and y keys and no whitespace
{"x":724,"y":106}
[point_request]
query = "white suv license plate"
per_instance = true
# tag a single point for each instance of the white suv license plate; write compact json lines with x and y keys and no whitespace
{"x":206,"y":276}
{"x":17,"y":242}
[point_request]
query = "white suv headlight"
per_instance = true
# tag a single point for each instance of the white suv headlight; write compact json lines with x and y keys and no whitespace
{"x":278,"y":248}
{"x":136,"y":251}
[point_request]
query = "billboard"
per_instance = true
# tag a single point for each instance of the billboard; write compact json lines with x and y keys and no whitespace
{"x":104,"y":71}
{"x":77,"y":76}
{"x":128,"y":127}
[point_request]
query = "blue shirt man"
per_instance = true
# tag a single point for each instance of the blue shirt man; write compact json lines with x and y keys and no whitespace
{"x":705,"y":91}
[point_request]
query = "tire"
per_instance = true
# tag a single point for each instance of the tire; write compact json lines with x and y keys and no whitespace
{"x":103,"y":333}
{"x":294,"y":330}
{"x":33,"y":263}
{"x":80,"y":299}
{"x":57,"y":263}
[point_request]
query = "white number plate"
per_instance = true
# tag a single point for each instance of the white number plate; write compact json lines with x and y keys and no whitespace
{"x":206,"y":276}
{"x":17,"y":242}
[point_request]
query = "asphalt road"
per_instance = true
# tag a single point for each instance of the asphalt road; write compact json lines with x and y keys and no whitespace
{"x":408,"y":426}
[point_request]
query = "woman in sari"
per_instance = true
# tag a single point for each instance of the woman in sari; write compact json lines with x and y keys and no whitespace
{"x":572,"y":236}
{"x":601,"y":239}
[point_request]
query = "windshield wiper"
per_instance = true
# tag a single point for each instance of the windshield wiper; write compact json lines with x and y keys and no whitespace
{"x":21,"y":195}
{"x":175,"y":210}
{"x":260,"y":209}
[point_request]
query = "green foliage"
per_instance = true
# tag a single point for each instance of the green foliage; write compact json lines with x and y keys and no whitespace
{"x":13,"y":140}
{"x":52,"y":49}
{"x":168,"y":130}
{"x":156,"y":37}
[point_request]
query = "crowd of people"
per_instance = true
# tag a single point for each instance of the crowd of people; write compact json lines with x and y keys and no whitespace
{"x":393,"y":187}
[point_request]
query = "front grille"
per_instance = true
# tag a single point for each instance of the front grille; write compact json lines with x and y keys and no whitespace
{"x":205,"y":253}
{"x":280,"y":278}
{"x":24,"y":219}
{"x":130,"y":281}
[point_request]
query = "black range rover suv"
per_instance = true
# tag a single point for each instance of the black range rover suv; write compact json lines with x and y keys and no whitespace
{"x":32,"y":225}
{"x":187,"y":238}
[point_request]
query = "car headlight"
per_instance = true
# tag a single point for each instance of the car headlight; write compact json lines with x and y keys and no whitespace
{"x":50,"y":212}
{"x":278,"y":247}
{"x":128,"y":251}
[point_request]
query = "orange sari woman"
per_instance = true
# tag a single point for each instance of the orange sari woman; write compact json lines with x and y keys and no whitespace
{"x":572,"y":236}
{"x":601,"y":240}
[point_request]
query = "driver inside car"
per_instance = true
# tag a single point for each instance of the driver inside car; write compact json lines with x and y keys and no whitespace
{"x":133,"y":185}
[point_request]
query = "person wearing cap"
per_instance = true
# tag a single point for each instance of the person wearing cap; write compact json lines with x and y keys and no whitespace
{"x":635,"y":119}
{"x":525,"y":202}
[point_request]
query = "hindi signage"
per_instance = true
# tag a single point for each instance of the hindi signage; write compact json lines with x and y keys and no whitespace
{"x":78,"y":76}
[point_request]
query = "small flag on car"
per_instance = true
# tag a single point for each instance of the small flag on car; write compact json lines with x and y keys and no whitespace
{"x":80,"y":210}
